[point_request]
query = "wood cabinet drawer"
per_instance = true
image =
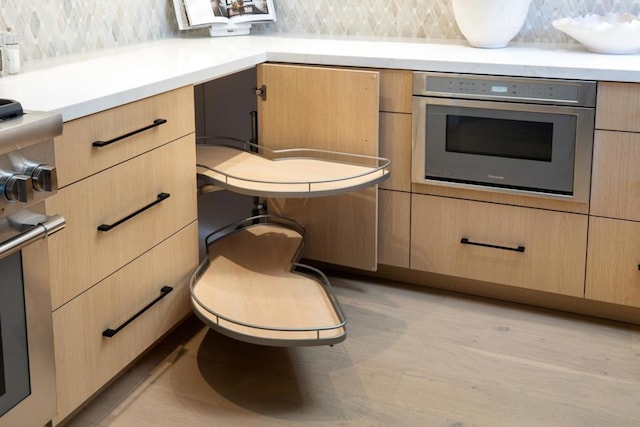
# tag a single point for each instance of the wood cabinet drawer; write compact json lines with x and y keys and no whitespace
{"x":613,"y":261}
{"x":618,"y":106}
{"x":86,"y":360}
{"x":394,"y":228}
{"x":615,"y":187}
{"x":396,"y":91}
{"x":76,"y":157}
{"x":554,"y":244}
{"x":395,"y":145}
{"x":85,"y":255}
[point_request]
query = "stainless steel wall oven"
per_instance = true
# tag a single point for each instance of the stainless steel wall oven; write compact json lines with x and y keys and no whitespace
{"x":528,"y":136}
{"x":27,"y":178}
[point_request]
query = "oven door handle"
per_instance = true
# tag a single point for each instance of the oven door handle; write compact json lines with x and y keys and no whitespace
{"x":39,"y":231}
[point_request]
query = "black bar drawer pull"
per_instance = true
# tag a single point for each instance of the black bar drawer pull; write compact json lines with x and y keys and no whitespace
{"x":163,"y":293}
{"x":466,"y":241}
{"x":107,"y":227}
{"x":156,"y":122}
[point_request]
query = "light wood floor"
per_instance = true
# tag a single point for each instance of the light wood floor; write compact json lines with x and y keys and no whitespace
{"x":413,"y":357}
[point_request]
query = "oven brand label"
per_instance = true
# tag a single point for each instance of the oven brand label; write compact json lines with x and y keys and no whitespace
{"x":495,"y":177}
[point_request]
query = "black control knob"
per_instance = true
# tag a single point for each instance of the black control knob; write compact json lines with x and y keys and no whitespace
{"x":18,"y":188}
{"x":44,"y":178}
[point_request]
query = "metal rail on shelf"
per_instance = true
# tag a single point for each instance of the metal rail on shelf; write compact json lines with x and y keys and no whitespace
{"x":376,"y":169}
{"x":287,"y":336}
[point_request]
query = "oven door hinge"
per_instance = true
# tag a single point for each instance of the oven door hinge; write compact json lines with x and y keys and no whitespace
{"x":261,"y":92}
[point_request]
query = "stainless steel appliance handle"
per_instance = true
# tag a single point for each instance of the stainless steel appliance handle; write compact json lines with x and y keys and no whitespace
{"x":39,"y":231}
{"x":504,"y":106}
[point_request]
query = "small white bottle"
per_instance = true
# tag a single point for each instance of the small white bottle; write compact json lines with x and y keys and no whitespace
{"x":2,"y":67}
{"x":11,"y":53}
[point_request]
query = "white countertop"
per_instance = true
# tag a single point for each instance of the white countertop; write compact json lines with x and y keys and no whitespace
{"x":80,"y":85}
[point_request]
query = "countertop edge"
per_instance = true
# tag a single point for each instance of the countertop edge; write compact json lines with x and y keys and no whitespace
{"x":91,"y":83}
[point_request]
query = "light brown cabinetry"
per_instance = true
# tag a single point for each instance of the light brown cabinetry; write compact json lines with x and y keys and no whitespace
{"x":85,"y":359}
{"x":395,"y":144}
{"x":130,"y":207}
{"x":330,"y":109}
{"x":509,"y":245}
{"x":618,"y":106}
{"x":342,"y":110}
{"x":613,"y":262}
{"x":111,"y":195}
{"x":423,"y":232}
{"x":77,"y":157}
{"x":615,"y":189}
{"x":395,"y":228}
{"x":613,"y":273}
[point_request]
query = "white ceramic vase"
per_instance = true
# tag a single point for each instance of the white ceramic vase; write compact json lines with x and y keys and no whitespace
{"x":490,"y":23}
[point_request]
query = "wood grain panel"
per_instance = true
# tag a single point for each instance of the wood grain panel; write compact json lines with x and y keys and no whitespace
{"x":554,"y":242}
{"x":396,"y":88}
{"x":502,"y":198}
{"x":85,"y":255}
{"x":85,"y":360}
{"x":618,"y":106}
{"x":615,"y":186}
{"x":613,"y":262}
{"x":76,"y":158}
{"x":340,"y":229}
{"x":394,"y":231}
{"x":332,"y":109}
{"x":395,"y":144}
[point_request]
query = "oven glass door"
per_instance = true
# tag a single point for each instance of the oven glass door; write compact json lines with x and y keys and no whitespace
{"x":502,"y":145}
{"x":14,"y":356}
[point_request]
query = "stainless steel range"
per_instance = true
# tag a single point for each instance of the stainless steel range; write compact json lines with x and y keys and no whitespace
{"x":27,"y":178}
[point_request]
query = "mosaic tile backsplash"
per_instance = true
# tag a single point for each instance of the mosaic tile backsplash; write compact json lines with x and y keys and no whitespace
{"x":52,"y":28}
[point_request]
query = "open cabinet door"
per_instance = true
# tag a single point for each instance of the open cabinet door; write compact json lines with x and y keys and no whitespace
{"x":332,"y":109}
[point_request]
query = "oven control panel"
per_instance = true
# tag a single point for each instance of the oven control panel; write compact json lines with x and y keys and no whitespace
{"x":504,"y":88}
{"x":500,"y":89}
{"x":16,"y":187}
{"x":27,"y":160}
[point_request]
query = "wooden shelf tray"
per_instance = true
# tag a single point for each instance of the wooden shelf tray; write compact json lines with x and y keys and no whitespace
{"x":251,"y":287}
{"x":288,"y":173}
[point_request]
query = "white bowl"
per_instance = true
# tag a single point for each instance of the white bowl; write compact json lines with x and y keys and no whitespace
{"x":613,"y":33}
{"x":490,"y":23}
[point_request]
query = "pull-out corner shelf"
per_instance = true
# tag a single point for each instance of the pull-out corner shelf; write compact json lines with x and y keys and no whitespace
{"x":288,"y":173}
{"x":251,"y":286}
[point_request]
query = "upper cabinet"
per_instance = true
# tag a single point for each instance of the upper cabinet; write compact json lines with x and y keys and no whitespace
{"x":331,"y":109}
